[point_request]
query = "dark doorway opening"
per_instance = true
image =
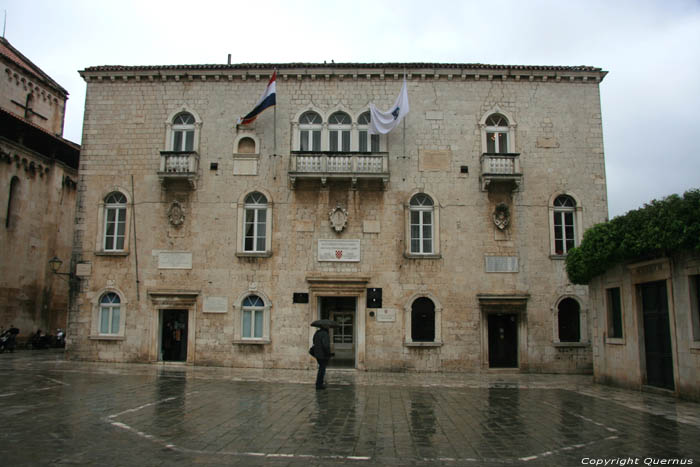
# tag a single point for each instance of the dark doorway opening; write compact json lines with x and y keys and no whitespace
{"x":342,"y":311}
{"x":657,"y":334}
{"x":173,"y":342}
{"x":503,"y":340}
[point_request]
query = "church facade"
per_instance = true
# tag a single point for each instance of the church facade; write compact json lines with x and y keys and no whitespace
{"x":436,"y":247}
{"x":38,"y":176}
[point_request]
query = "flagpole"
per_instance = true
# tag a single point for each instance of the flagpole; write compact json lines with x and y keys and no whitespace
{"x":274,"y":118}
{"x":404,"y":121}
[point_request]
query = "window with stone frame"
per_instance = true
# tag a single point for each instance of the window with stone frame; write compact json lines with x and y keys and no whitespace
{"x":310,"y":127}
{"x":422,"y":224}
{"x":564,"y":222}
{"x":183,"y":132}
{"x":339,"y":129}
{"x":423,"y":320}
{"x":115,"y":206}
{"x":110,"y":314}
{"x":367,"y":142}
{"x":497,"y":134}
{"x":255,"y":229}
{"x":614,"y":312}
{"x":569,"y":320}
{"x":253,"y":317}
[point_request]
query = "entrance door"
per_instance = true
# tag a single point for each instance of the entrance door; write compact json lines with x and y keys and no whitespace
{"x":503,"y":340}
{"x":657,"y":335}
{"x":173,"y":341}
{"x":342,"y":311}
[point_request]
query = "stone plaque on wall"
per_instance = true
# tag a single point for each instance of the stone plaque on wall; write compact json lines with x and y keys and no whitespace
{"x":434,"y":161}
{"x":215,"y":304}
{"x":386,"y":315}
{"x":245,"y":166}
{"x":501,"y":264}
{"x":83,"y":269}
{"x":339,"y":250}
{"x":174,"y":260}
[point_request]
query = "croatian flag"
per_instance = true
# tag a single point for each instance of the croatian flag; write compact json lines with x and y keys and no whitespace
{"x":383,"y":122}
{"x":268,"y":99}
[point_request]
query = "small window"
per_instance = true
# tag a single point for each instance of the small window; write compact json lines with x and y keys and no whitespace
{"x":368,"y":143}
{"x":253,"y":313}
{"x":183,"y":132}
{"x":423,"y":320}
{"x":114,"y":221}
{"x":694,"y":283}
{"x":339,"y":126}
{"x":255,"y":222}
{"x":110,"y":311}
{"x":12,"y":202}
{"x":310,"y":125}
{"x":569,"y":318}
{"x":564,"y":224}
{"x":614,"y":305}
{"x":497,"y":134}
{"x":421,"y":224}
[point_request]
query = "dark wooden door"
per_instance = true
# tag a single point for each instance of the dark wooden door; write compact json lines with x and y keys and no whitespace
{"x":174,"y":336}
{"x":503,"y":340}
{"x":657,"y":334}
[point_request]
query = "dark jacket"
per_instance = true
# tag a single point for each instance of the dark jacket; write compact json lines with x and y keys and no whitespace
{"x":322,"y":344}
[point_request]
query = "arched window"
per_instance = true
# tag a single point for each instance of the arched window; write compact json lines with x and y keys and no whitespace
{"x":253,"y":317}
{"x":368,"y":143}
{"x":255,"y":222}
{"x":12,"y":201}
{"x":564,"y":224}
{"x":183,"y":132}
{"x":423,"y":320}
{"x":339,"y":126}
{"x":310,"y":126}
{"x":110,"y":314}
{"x":497,"y":134}
{"x":569,"y":318}
{"x":114,"y":221}
{"x":421,"y":209}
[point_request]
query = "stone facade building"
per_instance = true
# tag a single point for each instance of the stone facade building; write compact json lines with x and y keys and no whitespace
{"x":646,"y":325}
{"x":38,"y":174}
{"x":439,"y":246}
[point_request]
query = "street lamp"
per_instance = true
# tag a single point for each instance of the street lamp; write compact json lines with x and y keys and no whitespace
{"x":55,"y":264}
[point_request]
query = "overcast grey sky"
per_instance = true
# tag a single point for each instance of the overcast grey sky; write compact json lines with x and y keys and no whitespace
{"x":651,"y":49}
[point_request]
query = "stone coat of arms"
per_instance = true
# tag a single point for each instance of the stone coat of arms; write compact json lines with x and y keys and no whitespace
{"x":339,"y":218}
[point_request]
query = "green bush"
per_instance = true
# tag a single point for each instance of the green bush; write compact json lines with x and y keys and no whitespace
{"x":657,"y":229}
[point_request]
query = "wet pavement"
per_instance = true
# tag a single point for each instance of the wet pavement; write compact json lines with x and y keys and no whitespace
{"x":58,"y":412}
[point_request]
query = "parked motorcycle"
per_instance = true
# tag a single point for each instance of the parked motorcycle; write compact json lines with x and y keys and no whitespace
{"x":8,"y":339}
{"x":40,"y":341}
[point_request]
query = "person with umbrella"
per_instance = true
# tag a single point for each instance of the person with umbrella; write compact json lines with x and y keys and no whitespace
{"x":322,"y":349}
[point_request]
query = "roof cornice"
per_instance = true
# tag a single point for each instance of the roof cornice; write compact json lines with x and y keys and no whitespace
{"x":357,"y":71}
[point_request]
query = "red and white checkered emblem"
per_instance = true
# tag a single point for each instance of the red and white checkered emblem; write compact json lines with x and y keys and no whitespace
{"x":338,"y":254}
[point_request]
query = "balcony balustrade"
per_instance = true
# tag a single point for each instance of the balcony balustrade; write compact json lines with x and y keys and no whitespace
{"x":339,"y":166}
{"x":178,"y":167}
{"x":500,"y":168}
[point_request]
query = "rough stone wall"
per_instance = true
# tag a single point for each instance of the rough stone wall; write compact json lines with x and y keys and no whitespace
{"x":16,"y":85}
{"x":622,"y":362}
{"x":558,"y":136}
{"x":39,"y":228}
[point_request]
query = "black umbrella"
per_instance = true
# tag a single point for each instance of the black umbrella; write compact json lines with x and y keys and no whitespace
{"x":325,"y":323}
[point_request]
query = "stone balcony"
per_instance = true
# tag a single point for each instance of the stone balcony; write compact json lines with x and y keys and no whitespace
{"x":178,"y":168}
{"x":500,"y":168}
{"x":325,"y":166}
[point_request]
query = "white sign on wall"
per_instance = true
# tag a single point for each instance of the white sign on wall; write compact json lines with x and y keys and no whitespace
{"x":386,"y":315}
{"x":174,"y":260}
{"x":339,"y":250}
{"x":215,"y":304}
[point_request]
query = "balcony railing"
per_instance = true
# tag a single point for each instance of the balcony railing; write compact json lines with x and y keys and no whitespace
{"x":178,"y":166}
{"x":500,"y":168}
{"x":339,"y":166}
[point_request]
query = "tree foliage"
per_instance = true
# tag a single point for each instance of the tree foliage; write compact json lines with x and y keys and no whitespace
{"x":657,"y":229}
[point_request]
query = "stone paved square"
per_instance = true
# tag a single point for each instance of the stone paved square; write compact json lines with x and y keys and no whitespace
{"x":58,"y":412}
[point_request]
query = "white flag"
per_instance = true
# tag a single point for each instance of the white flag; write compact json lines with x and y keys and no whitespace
{"x":384,"y":122}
